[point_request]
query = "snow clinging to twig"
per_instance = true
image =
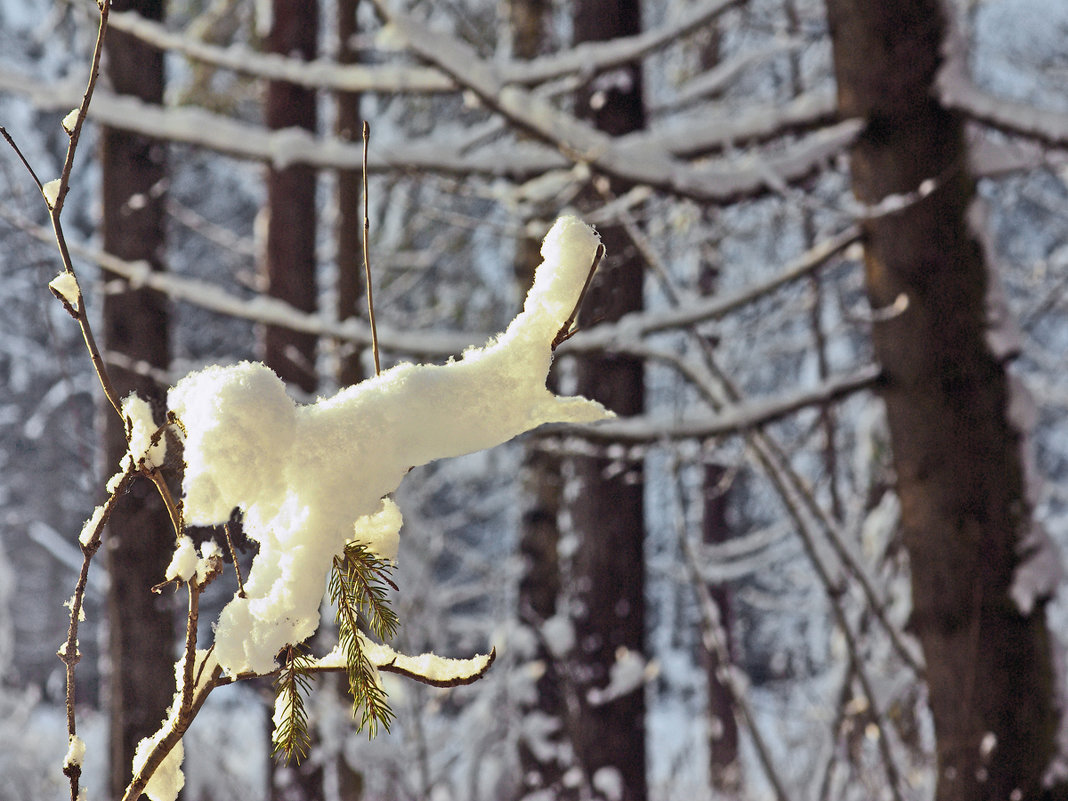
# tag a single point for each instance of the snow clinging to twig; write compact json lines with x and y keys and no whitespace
{"x":308,"y":478}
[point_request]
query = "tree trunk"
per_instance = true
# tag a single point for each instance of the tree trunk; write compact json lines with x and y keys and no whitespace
{"x":608,"y":568}
{"x":139,"y":538}
{"x":542,"y":769}
{"x":290,"y":262}
{"x":349,"y":207}
{"x":957,"y":454}
{"x":291,"y":226}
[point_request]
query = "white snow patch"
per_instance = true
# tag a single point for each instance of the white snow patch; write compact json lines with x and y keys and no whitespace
{"x":183,"y":565}
{"x":75,"y":752}
{"x":439,"y":669}
{"x":168,"y":779}
{"x":210,"y":553}
{"x":70,"y":121}
{"x":66,"y":286}
{"x":142,"y":428}
{"x":90,"y":527}
{"x":380,"y":532}
{"x":50,"y":190}
{"x":305,"y":475}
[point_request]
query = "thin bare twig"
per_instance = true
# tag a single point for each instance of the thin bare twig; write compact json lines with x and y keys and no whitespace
{"x":22,"y":157}
{"x":55,"y":204}
{"x":233,"y":556}
{"x":714,"y":640}
{"x":366,"y":255}
{"x":568,"y":330}
{"x":70,"y":654}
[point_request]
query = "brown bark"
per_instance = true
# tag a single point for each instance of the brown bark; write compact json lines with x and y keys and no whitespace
{"x":291,"y":227}
{"x":956,"y":454}
{"x":289,"y":264}
{"x":350,"y":281}
{"x":139,"y":538}
{"x":608,"y":578}
{"x":539,"y":532}
{"x":135,"y":325}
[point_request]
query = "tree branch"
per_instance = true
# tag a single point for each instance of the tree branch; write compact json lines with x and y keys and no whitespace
{"x":957,"y":91}
{"x":752,"y":414}
{"x":581,"y":142}
{"x":585,"y":59}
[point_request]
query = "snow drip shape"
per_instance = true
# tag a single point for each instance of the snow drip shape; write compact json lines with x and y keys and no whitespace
{"x":311,"y":477}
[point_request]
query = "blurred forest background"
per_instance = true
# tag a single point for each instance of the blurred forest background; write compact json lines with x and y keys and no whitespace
{"x":818,"y":554}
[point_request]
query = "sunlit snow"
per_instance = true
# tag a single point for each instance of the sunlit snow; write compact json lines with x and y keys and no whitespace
{"x":307,"y":477}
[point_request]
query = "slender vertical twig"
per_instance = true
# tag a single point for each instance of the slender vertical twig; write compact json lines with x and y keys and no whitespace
{"x":367,"y":256}
{"x":69,"y":653}
{"x":233,"y":555}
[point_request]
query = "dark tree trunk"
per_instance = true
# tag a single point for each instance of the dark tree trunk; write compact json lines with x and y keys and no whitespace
{"x":290,"y":263}
{"x":957,"y":456}
{"x":291,"y":227}
{"x":349,"y":127}
{"x":539,"y":533}
{"x":608,"y":568}
{"x":139,"y":539}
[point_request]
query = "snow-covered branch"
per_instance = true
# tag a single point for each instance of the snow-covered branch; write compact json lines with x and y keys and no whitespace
{"x":640,"y":160}
{"x":637,"y":324}
{"x":644,"y":164}
{"x":751,"y":414}
{"x":436,"y":344}
{"x":584,"y":59}
{"x":700,"y":134}
{"x":957,"y":91}
{"x":305,"y":476}
{"x":318,"y":74}
{"x":202,"y":128}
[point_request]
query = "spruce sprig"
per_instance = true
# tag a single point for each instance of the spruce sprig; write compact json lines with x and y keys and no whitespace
{"x":358,"y":587}
{"x":292,"y":738}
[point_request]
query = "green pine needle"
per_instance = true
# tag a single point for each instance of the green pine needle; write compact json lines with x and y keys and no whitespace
{"x":358,"y":587}
{"x":292,"y":739}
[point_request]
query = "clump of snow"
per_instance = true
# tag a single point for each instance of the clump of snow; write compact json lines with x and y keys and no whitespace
{"x":210,"y":555}
{"x":380,"y":532}
{"x":65,"y":285}
{"x":183,"y":565}
{"x":50,"y":190}
{"x":75,"y":752}
{"x":70,"y":121}
{"x":168,"y":779}
{"x":69,"y":604}
{"x":308,"y":478}
{"x":433,"y":669}
{"x":143,"y":427}
{"x":90,"y":526}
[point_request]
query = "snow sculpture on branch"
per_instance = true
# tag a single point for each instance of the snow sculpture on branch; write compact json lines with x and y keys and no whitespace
{"x":310,"y":478}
